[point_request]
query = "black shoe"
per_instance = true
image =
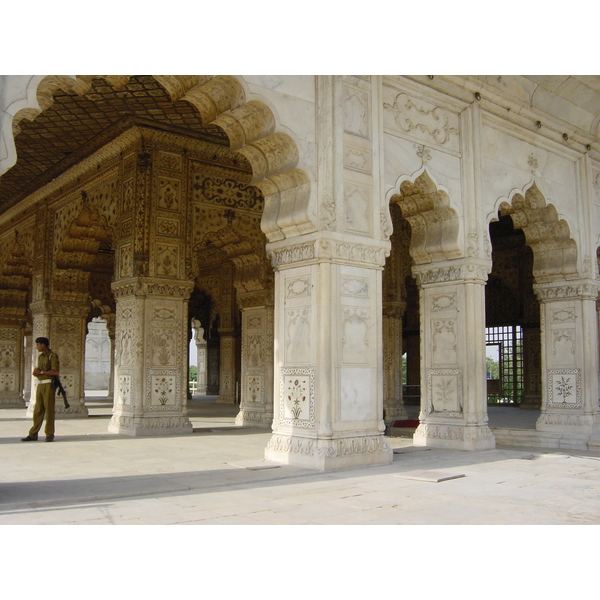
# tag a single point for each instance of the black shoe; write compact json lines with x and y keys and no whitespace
{"x":49,"y":438}
{"x":29,"y":439}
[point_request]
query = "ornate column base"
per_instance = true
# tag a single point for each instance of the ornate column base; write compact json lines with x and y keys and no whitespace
{"x":456,"y":437}
{"x":149,"y":426}
{"x":329,"y":454}
{"x":571,"y":426}
{"x":255,"y":418}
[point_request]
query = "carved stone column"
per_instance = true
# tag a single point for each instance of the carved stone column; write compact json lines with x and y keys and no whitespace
{"x":393,"y":404}
{"x":256,"y":407}
{"x":110,"y":325}
{"x":570,"y":360}
{"x":150,"y":368}
{"x":212,"y":366}
{"x":453,"y":387}
{"x":11,"y":365}
{"x":328,"y":360}
{"x":27,"y":366}
{"x":227,"y":370}
{"x":198,"y":333}
{"x":532,"y":392}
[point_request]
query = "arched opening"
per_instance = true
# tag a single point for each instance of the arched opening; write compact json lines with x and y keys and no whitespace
{"x":97,"y":359}
{"x":167,"y":177}
{"x":530,"y":245}
{"x":401,"y":337}
{"x":513,"y":370}
{"x":425,"y":231}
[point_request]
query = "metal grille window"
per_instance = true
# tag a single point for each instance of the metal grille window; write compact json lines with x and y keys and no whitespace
{"x":504,"y":350}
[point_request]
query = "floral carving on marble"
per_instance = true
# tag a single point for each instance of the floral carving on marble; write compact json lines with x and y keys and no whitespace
{"x":169,"y":161}
{"x":169,"y":193}
{"x":167,"y":260}
{"x":124,"y":389}
{"x":7,"y":382}
{"x":167,"y":227}
{"x":297,"y":388}
{"x":254,"y":351}
{"x":564,"y":388}
{"x":8,"y":356}
{"x":128,"y":195}
{"x":163,"y":346}
{"x":254,"y":389}
{"x":444,"y":392}
{"x":163,"y":391}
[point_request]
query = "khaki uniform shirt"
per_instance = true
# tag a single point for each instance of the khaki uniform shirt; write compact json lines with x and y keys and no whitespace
{"x":47,"y":363}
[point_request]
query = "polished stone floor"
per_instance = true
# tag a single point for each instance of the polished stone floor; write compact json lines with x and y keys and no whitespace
{"x":217,"y":475}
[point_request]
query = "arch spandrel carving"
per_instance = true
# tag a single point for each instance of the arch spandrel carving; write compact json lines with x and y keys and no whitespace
{"x":554,"y":250}
{"x":435,"y":225}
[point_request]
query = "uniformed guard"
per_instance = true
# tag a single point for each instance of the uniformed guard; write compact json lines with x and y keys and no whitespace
{"x":47,"y":369}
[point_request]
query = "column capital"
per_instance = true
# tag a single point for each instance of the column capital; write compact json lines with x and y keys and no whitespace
{"x":472,"y":270}
{"x":328,"y":247}
{"x":143,"y":287}
{"x":563,"y":290}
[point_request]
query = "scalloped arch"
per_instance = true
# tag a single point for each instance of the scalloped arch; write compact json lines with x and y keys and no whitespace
{"x":249,"y":127}
{"x":554,"y":250}
{"x":435,"y":225}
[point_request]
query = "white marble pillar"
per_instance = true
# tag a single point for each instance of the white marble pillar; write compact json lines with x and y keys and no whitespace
{"x":328,"y":385}
{"x":198,"y":333}
{"x":453,"y":385}
{"x":393,"y":404}
{"x":256,"y":407}
{"x":227,"y":369}
{"x":11,"y":365}
{"x":151,"y":374}
{"x":570,"y":360}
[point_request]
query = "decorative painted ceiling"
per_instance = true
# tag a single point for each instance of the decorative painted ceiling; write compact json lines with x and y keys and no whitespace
{"x":75,"y":126}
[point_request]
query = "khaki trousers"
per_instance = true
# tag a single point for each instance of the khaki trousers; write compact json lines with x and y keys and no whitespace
{"x":44,"y":405}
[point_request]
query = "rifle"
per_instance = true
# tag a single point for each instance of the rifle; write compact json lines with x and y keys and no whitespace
{"x":57,"y":385}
